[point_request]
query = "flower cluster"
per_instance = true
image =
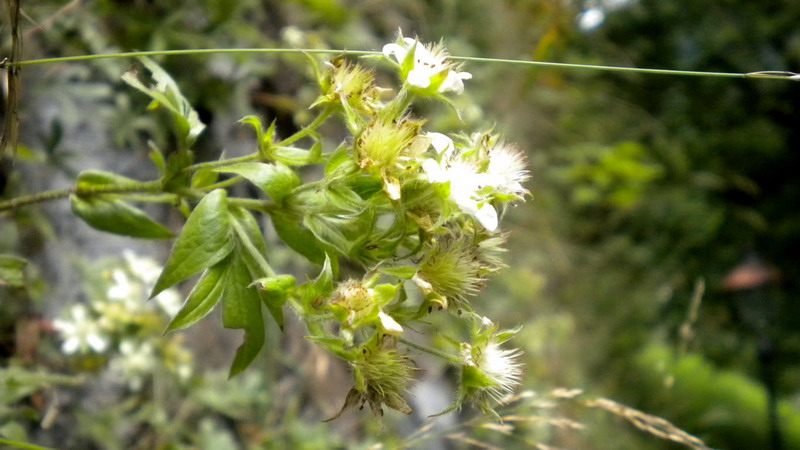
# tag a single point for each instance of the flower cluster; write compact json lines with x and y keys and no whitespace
{"x":121,"y":325}
{"x":420,"y":210}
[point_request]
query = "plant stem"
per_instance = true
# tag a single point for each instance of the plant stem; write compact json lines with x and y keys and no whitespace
{"x":310,"y":128}
{"x":770,"y":75}
{"x":430,"y":350}
{"x":251,"y":249}
{"x":223,"y":163}
{"x":145,"y":186}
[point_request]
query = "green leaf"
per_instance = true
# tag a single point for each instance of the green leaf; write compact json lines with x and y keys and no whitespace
{"x":293,"y":156}
{"x":12,"y":271}
{"x":205,"y":240}
{"x":264,"y":138}
{"x":166,"y":93}
{"x":241,"y":308}
{"x":90,"y":178}
{"x":276,"y":180}
{"x":204,"y":296}
{"x":274,"y":292}
{"x":203,"y":178}
{"x":253,"y":250}
{"x":113,"y":215}
{"x":329,"y":231}
{"x":290,"y":229}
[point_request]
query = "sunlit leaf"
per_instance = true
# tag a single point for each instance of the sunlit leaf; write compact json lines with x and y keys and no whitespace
{"x":204,"y":296}
{"x":204,"y":241}
{"x":113,"y":215}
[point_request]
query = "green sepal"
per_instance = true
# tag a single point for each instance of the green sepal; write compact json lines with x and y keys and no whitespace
{"x":473,"y":377}
{"x":290,"y":229}
{"x":404,"y":273}
{"x":276,"y":180}
{"x":327,"y":231}
{"x":112,"y":215}
{"x":334,"y":345}
{"x":241,"y":308}
{"x":12,"y":271}
{"x":265,"y":139}
{"x":320,"y":288}
{"x":205,"y":240}
{"x":407,"y":65}
{"x":176,"y":177}
{"x":203,"y":178}
{"x":204,"y":296}
{"x":293,"y":156}
{"x":385,"y":293}
{"x":340,"y":163}
{"x":279,"y":282}
{"x":157,"y":156}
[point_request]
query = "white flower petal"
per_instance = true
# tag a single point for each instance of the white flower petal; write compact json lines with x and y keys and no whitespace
{"x":396,"y":51}
{"x":487,"y":216}
{"x":390,"y":326}
{"x":434,"y":171}
{"x":419,"y":78}
{"x":452,"y":83}
{"x":441,"y":143}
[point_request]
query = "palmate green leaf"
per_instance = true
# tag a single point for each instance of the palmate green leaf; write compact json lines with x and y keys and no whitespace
{"x":205,"y":240}
{"x":276,"y":180}
{"x":12,"y":270}
{"x":204,"y":296}
{"x":241,"y":308}
{"x":113,"y":215}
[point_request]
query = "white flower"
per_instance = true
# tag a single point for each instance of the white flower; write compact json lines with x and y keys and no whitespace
{"x":465,"y":184}
{"x":145,"y":268}
{"x":135,"y":361}
{"x":81,"y":333}
{"x":501,"y":367}
{"x":506,"y":171}
{"x":430,"y":66}
{"x":122,"y":288}
{"x":441,"y":143}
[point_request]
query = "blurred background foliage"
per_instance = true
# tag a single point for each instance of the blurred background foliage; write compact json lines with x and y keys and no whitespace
{"x":646,"y":188}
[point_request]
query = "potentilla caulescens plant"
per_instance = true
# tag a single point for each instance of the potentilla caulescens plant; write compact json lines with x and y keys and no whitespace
{"x":417,"y":210}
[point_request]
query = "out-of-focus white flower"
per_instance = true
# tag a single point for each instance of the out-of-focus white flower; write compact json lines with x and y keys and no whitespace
{"x":81,"y":332}
{"x":144,"y":268}
{"x":429,"y":69}
{"x":121,"y":289}
{"x":135,"y":361}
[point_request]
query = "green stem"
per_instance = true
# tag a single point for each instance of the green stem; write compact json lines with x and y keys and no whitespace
{"x":223,"y":184}
{"x":223,"y":163}
{"x":770,"y":75}
{"x":145,"y":186}
{"x":252,"y":250}
{"x":308,"y":129}
{"x":430,"y":350}
{"x":252,"y":203}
